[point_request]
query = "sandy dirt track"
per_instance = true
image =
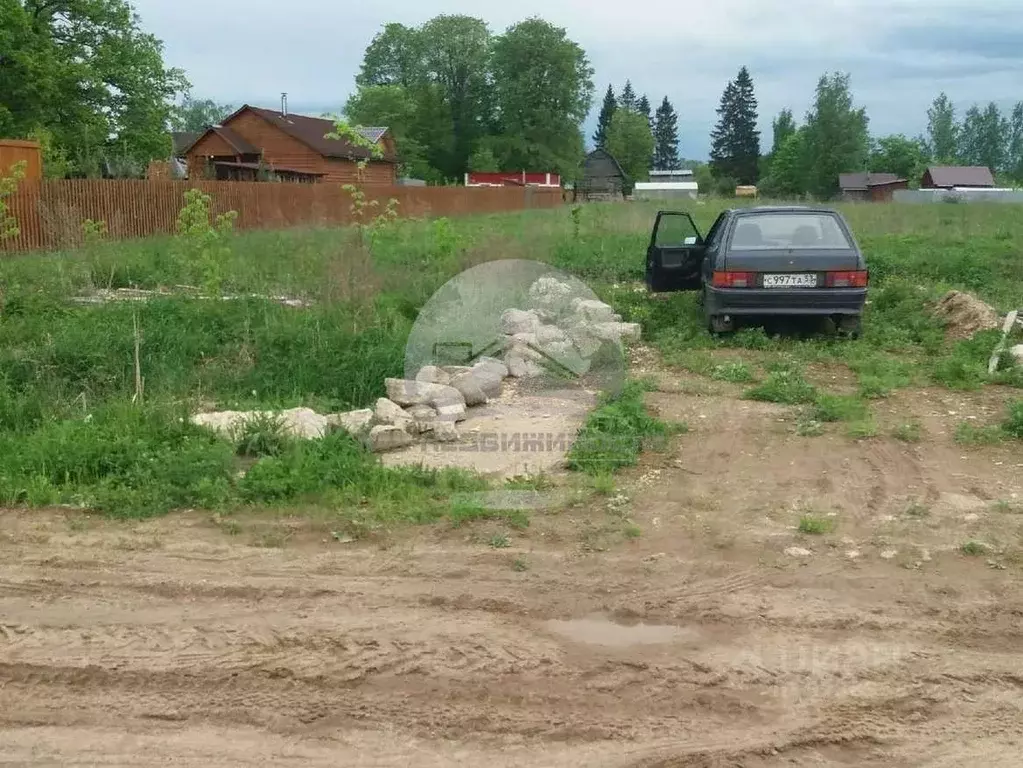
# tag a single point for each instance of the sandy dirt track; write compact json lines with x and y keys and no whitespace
{"x":706,"y":641}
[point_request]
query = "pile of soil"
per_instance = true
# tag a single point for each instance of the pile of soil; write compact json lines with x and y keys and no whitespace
{"x":965,"y":314}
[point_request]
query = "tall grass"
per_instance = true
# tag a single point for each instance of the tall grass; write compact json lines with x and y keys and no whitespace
{"x":70,"y":434}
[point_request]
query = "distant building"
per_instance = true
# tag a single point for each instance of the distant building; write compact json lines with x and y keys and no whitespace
{"x":512,"y":179}
{"x":956,"y":176}
{"x":865,"y":187}
{"x":679,"y":175}
{"x":602,"y":177}
{"x":253,"y":143}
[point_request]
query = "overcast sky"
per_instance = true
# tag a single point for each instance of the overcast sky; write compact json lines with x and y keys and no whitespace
{"x":900,"y":53}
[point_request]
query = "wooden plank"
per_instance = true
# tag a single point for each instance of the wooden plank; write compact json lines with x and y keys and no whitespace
{"x":996,"y":356}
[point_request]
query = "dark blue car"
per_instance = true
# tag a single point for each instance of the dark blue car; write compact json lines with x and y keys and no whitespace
{"x":762,"y":262}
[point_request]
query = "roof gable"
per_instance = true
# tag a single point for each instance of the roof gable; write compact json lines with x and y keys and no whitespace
{"x":312,"y":132}
{"x":961,"y":176}
{"x":864,"y":180}
{"x":601,"y":152}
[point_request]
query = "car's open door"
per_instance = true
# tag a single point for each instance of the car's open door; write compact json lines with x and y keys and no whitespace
{"x":675,"y":256}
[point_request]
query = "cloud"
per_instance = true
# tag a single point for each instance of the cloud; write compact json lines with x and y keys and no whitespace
{"x":899,"y":53}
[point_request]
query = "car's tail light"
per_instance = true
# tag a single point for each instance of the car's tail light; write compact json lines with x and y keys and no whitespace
{"x":734,"y":279}
{"x":855,"y":279}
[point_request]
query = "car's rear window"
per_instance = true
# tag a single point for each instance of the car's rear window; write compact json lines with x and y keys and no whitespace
{"x":788,"y":230}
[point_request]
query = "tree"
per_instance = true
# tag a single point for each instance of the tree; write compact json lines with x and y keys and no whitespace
{"x":666,"y":138}
{"x":456,"y":59}
{"x":395,"y":107}
{"x":983,"y":137}
{"x":628,"y":98}
{"x":630,"y":141}
{"x":643,"y":107}
{"x":543,"y":89}
{"x":787,"y":177}
{"x":607,"y":111}
{"x":906,"y":158}
{"x":198,"y":114}
{"x":735,"y":140}
{"x":836,"y":139}
{"x":86,"y":76}
{"x":942,"y":131}
{"x":394,"y":57}
{"x":783,"y":126}
{"x":1014,"y":160}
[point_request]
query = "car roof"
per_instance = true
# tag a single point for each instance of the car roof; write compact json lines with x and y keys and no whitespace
{"x":781,"y":209}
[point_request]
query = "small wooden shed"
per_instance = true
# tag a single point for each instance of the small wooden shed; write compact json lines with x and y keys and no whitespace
{"x":13,"y":151}
{"x":602,"y":177}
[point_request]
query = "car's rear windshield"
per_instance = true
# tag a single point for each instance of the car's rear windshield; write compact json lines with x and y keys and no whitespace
{"x":788,"y":230}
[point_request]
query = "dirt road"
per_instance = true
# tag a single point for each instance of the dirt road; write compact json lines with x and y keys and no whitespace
{"x":715,"y":634}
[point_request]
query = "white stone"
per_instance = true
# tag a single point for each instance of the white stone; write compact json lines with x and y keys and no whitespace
{"x":1017,"y":354}
{"x":493,"y":365}
{"x":584,"y":340}
{"x":522,"y":367}
{"x":550,"y":295}
{"x":470,"y":388}
{"x":489,"y":381}
{"x":592,"y":311}
{"x":431,"y":374}
{"x":443,"y":432}
{"x":454,"y":370}
{"x":405,"y":393}
{"x":453,"y":412}
{"x":889,"y":554}
{"x":617,"y":332}
{"x":515,"y":321}
{"x":547,"y":334}
{"x":798,"y":552}
{"x":387,"y":438}
{"x":389,"y":413}
{"x":354,"y":422}
{"x":302,"y":423}
{"x":423,"y":418}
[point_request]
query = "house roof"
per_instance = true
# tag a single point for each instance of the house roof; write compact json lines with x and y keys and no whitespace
{"x":961,"y":176}
{"x":183,"y":140}
{"x":312,"y":131}
{"x":864,"y":180}
{"x":236,"y":142}
{"x":602,"y":151}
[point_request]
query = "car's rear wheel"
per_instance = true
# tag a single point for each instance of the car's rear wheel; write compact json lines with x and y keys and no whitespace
{"x":718,"y":324}
{"x":850,"y":326}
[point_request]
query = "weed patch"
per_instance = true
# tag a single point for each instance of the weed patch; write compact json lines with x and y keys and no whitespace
{"x":816,"y":526}
{"x":616,"y":432}
{"x":787,"y":386}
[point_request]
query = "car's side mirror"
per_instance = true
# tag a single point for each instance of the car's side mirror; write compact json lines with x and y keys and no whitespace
{"x":689,"y":241}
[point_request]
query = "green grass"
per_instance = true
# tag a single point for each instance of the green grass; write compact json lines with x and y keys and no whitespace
{"x":70,"y":433}
{"x":787,"y":386}
{"x":973,"y":549}
{"x":911,"y":432}
{"x":814,"y":525}
{"x":616,"y":432}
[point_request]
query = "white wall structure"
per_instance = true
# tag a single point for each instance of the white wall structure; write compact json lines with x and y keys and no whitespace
{"x":959,"y":195}
{"x":660,"y":190}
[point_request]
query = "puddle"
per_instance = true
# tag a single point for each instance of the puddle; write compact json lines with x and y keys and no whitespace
{"x":598,"y":630}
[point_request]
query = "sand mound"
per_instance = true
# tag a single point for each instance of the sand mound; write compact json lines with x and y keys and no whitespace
{"x":965,"y":315}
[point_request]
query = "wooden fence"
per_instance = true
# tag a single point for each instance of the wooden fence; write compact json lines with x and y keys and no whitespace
{"x":50,"y":213}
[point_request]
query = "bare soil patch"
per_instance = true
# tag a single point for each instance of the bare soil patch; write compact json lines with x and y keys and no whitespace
{"x":720,"y":635}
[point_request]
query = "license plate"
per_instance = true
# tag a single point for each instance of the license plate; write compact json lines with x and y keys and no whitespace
{"x":807,"y":280}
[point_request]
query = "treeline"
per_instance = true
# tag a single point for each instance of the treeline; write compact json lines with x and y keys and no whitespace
{"x":459,"y":98}
{"x":638,"y":139}
{"x":806,"y":160}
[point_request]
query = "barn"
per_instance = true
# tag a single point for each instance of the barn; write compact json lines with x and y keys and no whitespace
{"x":253,"y":143}
{"x":602,"y":177}
{"x":953,"y":177}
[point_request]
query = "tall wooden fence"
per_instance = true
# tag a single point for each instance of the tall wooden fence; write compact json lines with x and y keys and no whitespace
{"x":50,"y":214}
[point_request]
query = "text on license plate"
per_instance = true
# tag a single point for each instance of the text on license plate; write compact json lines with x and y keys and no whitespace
{"x":808,"y":280}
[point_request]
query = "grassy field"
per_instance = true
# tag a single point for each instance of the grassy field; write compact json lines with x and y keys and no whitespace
{"x":70,"y":432}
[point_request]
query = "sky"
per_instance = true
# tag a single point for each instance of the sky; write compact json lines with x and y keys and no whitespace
{"x":899,"y":53}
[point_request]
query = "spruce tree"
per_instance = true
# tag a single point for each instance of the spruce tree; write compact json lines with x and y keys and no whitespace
{"x":643,"y":107}
{"x":607,"y":111}
{"x":628,"y":98}
{"x":666,"y":138}
{"x":735,"y":140}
